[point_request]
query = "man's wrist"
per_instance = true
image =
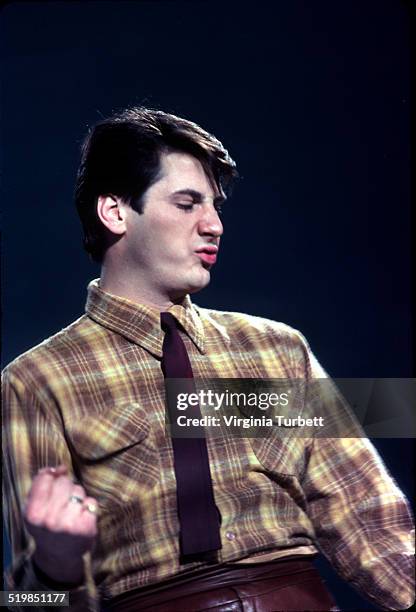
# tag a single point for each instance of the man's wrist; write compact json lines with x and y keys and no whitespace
{"x":58,"y":575}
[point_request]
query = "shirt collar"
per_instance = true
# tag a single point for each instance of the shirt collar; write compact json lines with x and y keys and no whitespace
{"x":138,"y":322}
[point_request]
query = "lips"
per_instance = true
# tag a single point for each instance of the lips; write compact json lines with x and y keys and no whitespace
{"x":207,"y":257}
{"x":208,"y":254}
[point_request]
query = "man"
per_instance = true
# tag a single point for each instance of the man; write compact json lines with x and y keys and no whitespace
{"x":94,"y":486}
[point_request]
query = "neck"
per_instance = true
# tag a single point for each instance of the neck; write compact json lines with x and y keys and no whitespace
{"x":135,"y":289}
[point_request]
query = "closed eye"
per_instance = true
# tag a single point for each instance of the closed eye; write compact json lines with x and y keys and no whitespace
{"x":186,"y":207}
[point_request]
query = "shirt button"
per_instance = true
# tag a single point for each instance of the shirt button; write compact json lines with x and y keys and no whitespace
{"x":230,"y":535}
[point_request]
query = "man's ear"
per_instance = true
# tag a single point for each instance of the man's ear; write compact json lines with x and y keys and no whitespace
{"x":112,"y":213}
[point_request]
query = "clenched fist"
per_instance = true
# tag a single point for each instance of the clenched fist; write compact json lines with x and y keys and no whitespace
{"x":63,"y":522}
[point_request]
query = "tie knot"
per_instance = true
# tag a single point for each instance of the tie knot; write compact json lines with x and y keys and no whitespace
{"x":168,"y":321}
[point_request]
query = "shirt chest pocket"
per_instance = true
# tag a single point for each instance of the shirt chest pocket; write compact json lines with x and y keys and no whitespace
{"x":283,"y":462}
{"x":115,"y":453}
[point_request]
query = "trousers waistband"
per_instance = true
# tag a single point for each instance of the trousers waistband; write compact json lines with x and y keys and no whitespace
{"x":279,"y":573}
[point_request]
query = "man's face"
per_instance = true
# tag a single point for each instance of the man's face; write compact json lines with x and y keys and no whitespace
{"x":172,"y":246}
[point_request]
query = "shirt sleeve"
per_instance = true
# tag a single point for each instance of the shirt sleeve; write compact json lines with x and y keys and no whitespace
{"x":32,"y":440}
{"x":362,"y":521}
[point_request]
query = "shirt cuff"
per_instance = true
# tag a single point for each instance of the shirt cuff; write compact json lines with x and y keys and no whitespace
{"x":29,"y":577}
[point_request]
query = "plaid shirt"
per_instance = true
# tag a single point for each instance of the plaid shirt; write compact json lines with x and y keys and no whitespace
{"x":92,"y":397}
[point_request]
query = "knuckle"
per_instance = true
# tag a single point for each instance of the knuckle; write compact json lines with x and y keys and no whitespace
{"x":90,"y":500}
{"x":68,"y":526}
{"x":33,"y":512}
{"x":78,"y":490}
{"x":89,"y":528}
{"x":41,"y":478}
{"x":34,"y":517}
{"x":50,"y":524}
{"x":46,"y":470}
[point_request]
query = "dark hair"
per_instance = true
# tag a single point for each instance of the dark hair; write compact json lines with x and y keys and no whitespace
{"x":121,"y":157}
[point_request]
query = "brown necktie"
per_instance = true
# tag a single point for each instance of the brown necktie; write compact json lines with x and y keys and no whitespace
{"x":198,"y":514}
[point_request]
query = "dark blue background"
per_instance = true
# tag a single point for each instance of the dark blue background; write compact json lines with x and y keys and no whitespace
{"x":310,"y":98}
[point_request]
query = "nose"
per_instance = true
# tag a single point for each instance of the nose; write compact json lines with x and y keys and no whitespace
{"x":210,"y":223}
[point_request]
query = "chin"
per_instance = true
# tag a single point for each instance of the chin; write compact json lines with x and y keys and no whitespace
{"x":193,"y":282}
{"x":179,"y":294}
{"x":196,"y":284}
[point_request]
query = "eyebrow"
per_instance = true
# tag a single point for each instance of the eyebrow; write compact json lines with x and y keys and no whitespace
{"x":197,"y":196}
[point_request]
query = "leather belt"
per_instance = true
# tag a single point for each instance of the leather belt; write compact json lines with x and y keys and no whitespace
{"x":258,"y":587}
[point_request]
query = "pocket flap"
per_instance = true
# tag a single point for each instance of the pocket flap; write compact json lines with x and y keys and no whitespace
{"x":100,"y":435}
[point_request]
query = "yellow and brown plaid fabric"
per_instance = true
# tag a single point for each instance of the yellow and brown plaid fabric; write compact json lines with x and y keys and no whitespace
{"x":92,"y":396}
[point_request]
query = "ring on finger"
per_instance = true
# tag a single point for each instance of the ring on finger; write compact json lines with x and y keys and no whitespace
{"x":76,"y":499}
